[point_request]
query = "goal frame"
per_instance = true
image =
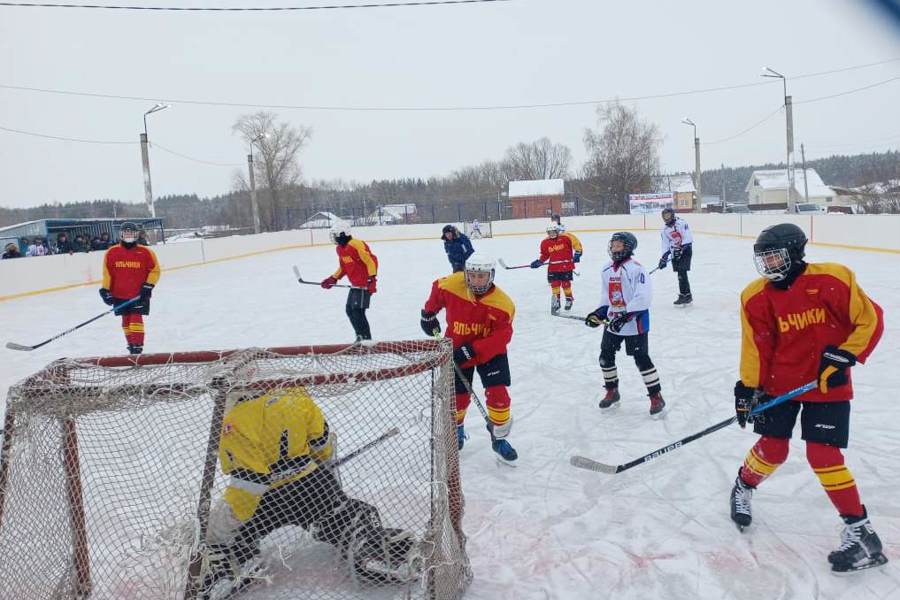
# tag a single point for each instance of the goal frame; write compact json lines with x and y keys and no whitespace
{"x":58,"y":374}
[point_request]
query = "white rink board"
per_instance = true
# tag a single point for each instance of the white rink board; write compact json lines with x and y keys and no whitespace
{"x":546,"y":530}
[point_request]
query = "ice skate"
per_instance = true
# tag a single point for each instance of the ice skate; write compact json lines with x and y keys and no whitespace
{"x":683,"y":300}
{"x":860,"y":547}
{"x":569,"y":302}
{"x":502,"y":447}
{"x":554,"y":305}
{"x":461,"y":436}
{"x":657,"y":404}
{"x":611,"y":398}
{"x":741,"y":512}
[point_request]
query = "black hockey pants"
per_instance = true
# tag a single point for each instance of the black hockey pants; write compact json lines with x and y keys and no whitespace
{"x":357,"y":302}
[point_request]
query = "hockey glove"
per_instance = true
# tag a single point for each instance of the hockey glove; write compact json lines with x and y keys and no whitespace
{"x":744,"y":401}
{"x":663,"y":261}
{"x":576,"y":258}
{"x":328,"y":283}
{"x":430,"y":324}
{"x":372,"y":286}
{"x":618,"y":322}
{"x":596,"y":318}
{"x":146,"y":292}
{"x":107,"y":297}
{"x":535,"y":264}
{"x":463,"y":354}
{"x":833,"y":367}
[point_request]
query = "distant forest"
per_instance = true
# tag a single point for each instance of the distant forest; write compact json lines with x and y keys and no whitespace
{"x":468,"y":193}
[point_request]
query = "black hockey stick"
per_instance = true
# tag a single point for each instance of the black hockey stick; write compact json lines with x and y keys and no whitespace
{"x":315,"y":283}
{"x":657,"y":268}
{"x":387,"y":434}
{"x":582,"y":462}
{"x":15,"y":346}
{"x":528,"y":265}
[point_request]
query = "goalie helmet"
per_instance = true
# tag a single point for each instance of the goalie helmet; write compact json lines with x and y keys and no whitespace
{"x":629,"y":243}
{"x":128,"y":233}
{"x":476,"y":265}
{"x":779,"y":250}
{"x":339,"y":232}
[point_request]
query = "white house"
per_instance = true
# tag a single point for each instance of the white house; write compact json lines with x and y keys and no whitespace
{"x":392,"y":213}
{"x":320,"y":220}
{"x":770,"y":187}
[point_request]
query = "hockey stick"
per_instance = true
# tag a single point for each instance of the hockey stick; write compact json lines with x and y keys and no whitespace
{"x":14,"y":346}
{"x":582,"y":462}
{"x":387,"y":434}
{"x":658,"y":268}
{"x":528,"y":266}
{"x":468,"y":386}
{"x":304,"y":282}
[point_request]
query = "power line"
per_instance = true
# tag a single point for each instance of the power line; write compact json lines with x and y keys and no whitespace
{"x":64,"y":139}
{"x":246,"y":9}
{"x":197,"y":160}
{"x":246,"y":105}
{"x":853,"y":91}
{"x":752,"y":127}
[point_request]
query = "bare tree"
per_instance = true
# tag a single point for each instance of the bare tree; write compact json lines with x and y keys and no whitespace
{"x":623,"y":155}
{"x":277,"y":147}
{"x":541,"y":159}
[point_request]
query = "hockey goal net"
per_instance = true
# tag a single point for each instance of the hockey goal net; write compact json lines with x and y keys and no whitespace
{"x":109,"y":467}
{"x":483,"y":230}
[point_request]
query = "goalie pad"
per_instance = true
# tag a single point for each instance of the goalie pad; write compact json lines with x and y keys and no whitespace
{"x":384,"y":556}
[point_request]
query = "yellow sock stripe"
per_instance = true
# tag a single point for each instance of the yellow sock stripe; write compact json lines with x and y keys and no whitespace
{"x":835,"y":478}
{"x":498,"y":416}
{"x":758,"y":465}
{"x":136,"y":328}
{"x":460,"y":416}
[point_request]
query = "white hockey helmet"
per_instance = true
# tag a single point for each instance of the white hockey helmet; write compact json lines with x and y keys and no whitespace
{"x":338,"y":229}
{"x":553,"y":227}
{"x":476,"y":265}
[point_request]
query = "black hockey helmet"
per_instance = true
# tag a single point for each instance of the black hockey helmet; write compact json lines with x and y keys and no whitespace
{"x":629,"y":241}
{"x":668,"y":216}
{"x":128,"y":232}
{"x":449,"y":228}
{"x":778,"y":249}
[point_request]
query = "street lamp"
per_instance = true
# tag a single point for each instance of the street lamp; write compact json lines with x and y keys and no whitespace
{"x":697,"y":183}
{"x":145,"y":159}
{"x":789,"y":126}
{"x":253,"y":203}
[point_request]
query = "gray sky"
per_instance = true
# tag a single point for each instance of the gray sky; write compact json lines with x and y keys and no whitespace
{"x":520,"y":52}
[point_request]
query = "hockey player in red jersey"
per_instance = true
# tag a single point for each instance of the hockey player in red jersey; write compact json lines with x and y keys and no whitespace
{"x":356,"y":261}
{"x":479,"y":321}
{"x":625,"y":308}
{"x":560,"y":251}
{"x":130,"y":270}
{"x":801,"y":322}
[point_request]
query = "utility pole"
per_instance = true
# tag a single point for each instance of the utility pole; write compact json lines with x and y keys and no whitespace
{"x":253,"y":203}
{"x":698,"y":185}
{"x":805,"y":184}
{"x":789,"y":126}
{"x":723,"y":187}
{"x":145,"y":160}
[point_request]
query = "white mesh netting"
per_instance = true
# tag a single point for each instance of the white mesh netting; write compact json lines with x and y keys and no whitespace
{"x":109,"y":467}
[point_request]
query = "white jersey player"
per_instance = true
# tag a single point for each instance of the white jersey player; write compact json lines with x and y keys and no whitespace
{"x":677,"y":243}
{"x":625,"y":307}
{"x":476,"y":228}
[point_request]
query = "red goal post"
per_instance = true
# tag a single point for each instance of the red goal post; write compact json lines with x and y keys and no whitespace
{"x":109,"y":466}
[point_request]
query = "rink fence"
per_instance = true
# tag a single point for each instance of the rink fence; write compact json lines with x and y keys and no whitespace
{"x":29,"y":276}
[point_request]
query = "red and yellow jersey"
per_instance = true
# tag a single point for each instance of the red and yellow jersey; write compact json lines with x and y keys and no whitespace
{"x":270,"y":441}
{"x":485,"y":321}
{"x":125,"y":270}
{"x":357,"y":262}
{"x":785,"y":331}
{"x":560,"y":250}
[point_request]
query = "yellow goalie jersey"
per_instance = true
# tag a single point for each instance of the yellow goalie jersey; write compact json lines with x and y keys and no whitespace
{"x":269,"y":441}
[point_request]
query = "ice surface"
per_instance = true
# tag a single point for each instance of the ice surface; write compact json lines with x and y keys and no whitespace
{"x":547,"y":530}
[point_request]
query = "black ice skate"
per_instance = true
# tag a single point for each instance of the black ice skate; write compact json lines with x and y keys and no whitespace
{"x":611,"y":397}
{"x":569,"y":302}
{"x":860,"y":547}
{"x":741,"y":512}
{"x":657,"y":404}
{"x":135,"y":348}
{"x":683,"y":299}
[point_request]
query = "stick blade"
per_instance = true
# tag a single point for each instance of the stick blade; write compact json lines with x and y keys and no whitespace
{"x":14,"y":346}
{"x":583,"y":462}
{"x":297,"y":273}
{"x":502,"y":263}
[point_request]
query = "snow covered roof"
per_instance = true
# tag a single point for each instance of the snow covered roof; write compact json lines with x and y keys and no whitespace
{"x":682,"y":183}
{"x":776,"y":179}
{"x":320,"y":219}
{"x":537,"y":187}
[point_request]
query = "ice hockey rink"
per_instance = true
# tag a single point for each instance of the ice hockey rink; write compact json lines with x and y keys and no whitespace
{"x":545,"y":529}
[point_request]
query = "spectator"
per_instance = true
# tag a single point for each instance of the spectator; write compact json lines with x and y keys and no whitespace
{"x":81,"y":244}
{"x":63,"y":245}
{"x":12,"y":251}
{"x":38,"y":247}
{"x":142,"y":238}
{"x":101,"y":243}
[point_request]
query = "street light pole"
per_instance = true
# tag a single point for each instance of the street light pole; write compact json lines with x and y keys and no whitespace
{"x":698,"y":184}
{"x":789,"y":126}
{"x":145,"y":160}
{"x":253,"y":202}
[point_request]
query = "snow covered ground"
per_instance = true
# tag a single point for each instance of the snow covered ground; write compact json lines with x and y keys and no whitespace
{"x":545,"y":529}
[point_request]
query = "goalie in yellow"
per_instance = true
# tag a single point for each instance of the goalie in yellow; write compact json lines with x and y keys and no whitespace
{"x":278,"y":452}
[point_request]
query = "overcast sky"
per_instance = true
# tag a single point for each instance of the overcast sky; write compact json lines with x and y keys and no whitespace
{"x":509,"y":53}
